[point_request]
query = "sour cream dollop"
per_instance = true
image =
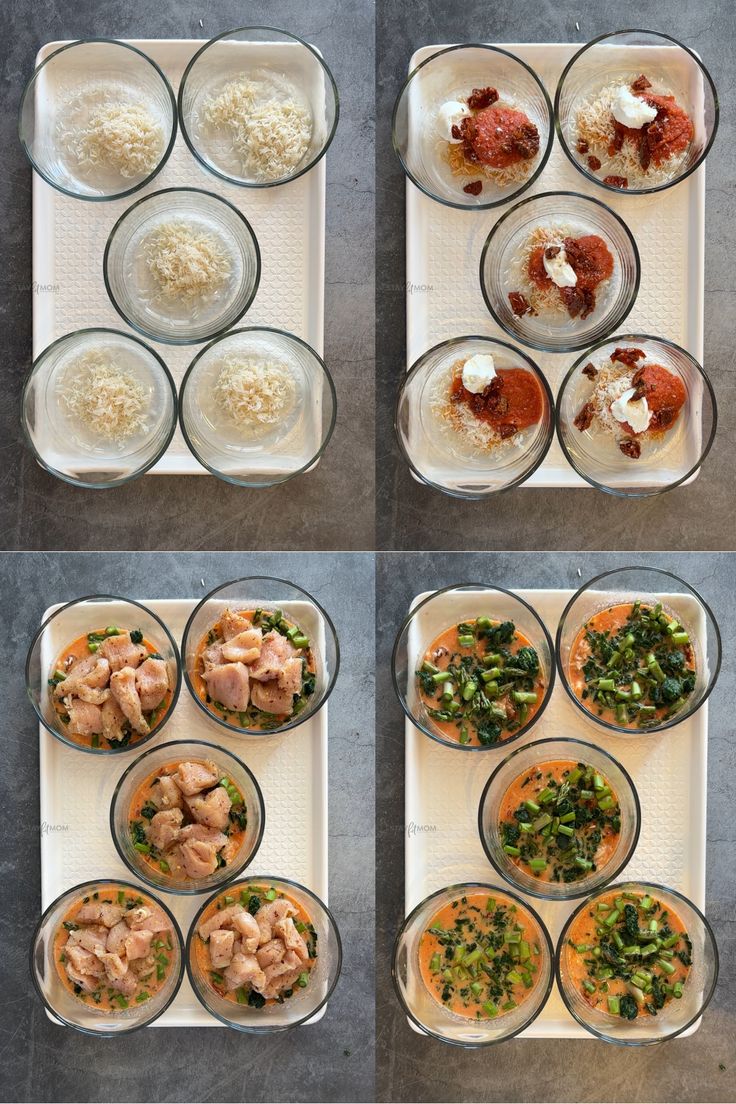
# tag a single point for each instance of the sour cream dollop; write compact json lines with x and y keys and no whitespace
{"x":636,"y":414}
{"x":478,"y":371}
{"x":558,"y":269}
{"x":452,"y":114}
{"x":630,"y":110}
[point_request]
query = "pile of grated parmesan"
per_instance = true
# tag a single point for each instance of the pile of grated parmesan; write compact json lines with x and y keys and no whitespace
{"x":124,"y":137}
{"x":186,"y":262}
{"x":270,"y":132}
{"x":457,"y":417}
{"x":255,"y":393}
{"x":105,"y":398}
{"x":544,"y":300}
{"x":613,"y":379}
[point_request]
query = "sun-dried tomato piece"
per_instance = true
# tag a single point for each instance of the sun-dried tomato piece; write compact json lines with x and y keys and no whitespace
{"x":525,"y":140}
{"x":645,"y":150}
{"x":578,"y":301}
{"x":590,"y":371}
{"x":482,"y":97}
{"x":619,"y":137}
{"x":616,"y":181}
{"x":594,"y":163}
{"x":506,"y":429}
{"x":520,"y":305}
{"x":584,"y":417}
{"x":640,"y":84}
{"x":630,"y":448}
{"x":628,"y":356}
{"x":583,"y":146}
{"x":663,"y":418}
{"x":455,"y":132}
{"x":475,"y":187}
{"x":551,"y":251}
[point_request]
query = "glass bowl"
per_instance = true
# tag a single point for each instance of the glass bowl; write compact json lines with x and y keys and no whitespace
{"x":620,"y":58}
{"x":72,"y":620}
{"x":69,"y":89}
{"x":677,"y":1015}
{"x":159,"y":757}
{"x":306,"y":1002}
{"x":434,"y":449}
{"x":666,"y":460}
{"x":451,"y":74}
{"x":526,"y":759}
{"x":284,"y":68}
{"x":258,"y":455}
{"x":421,"y":1007}
{"x":76,"y":1013}
{"x":442,"y":608}
{"x":652,"y":585}
{"x":502,"y":270}
{"x":59,"y":434}
{"x":134,"y":291}
{"x":262,"y":592}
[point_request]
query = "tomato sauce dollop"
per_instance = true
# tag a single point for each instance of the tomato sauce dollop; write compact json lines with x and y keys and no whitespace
{"x":510,"y":403}
{"x":500,"y":137}
{"x":665,"y":394}
{"x":592,"y":262}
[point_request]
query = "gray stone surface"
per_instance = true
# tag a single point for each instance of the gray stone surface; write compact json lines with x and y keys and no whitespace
{"x":410,"y":1067}
{"x":331,"y":507}
{"x":331,"y":1060}
{"x":699,"y":516}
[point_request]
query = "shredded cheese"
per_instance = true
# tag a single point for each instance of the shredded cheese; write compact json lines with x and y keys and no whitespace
{"x":270,"y":127}
{"x":103,"y":397}
{"x":612,"y":381}
{"x":186,"y":262}
{"x":544,"y":300}
{"x":255,"y":393}
{"x":124,"y":137}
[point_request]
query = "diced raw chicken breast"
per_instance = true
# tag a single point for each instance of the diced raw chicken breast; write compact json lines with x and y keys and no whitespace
{"x":125,"y":693}
{"x":115,"y":967}
{"x":286,"y":929}
{"x":269,"y":697}
{"x":221,"y":948}
{"x":212,"y":656}
{"x":176,"y":863}
{"x":152,"y":682}
{"x":280,"y":976}
{"x":201,"y":832}
{"x":275,"y":651}
{"x":229,"y":685}
{"x":243,"y":648}
{"x":291,"y":675}
{"x":84,"y":961}
{"x":271,"y":952}
{"x":94,"y":939}
{"x":100,"y":911}
{"x":150,"y":917}
{"x":120,"y":651}
{"x":91,"y":672}
{"x":113,"y":720}
{"x":138,"y":944}
{"x":243,"y":970}
{"x":248,"y":929}
{"x":116,"y":938}
{"x":87,"y":982}
{"x":127,"y":984}
{"x":222,"y":919}
{"x":200,"y":859}
{"x":85,"y":719}
{"x":164,"y":828}
{"x":212,"y":809}
{"x":231,"y":624}
{"x":192,"y":778}
{"x":165,"y":793}
{"x":270,"y":913}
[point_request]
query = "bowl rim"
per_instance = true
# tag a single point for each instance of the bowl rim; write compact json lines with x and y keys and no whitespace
{"x":76,"y":889}
{"x":568,"y":377}
{"x":413,"y":372}
{"x":183,"y":891}
{"x":37,"y":362}
{"x":174,"y":694}
{"x":299,"y":719}
{"x":455,"y":745}
{"x":222,"y":328}
{"x":678,"y":718}
{"x":659,"y":187}
{"x":646,"y":884}
{"x":190,"y":142}
{"x":331,"y":924}
{"x":326,"y":376}
{"x":542,"y":161}
{"x":504,"y":891}
{"x":508,"y":875}
{"x":572,"y":345}
{"x":30,"y":84}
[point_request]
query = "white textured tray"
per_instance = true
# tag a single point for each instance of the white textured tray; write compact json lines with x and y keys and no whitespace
{"x":69,"y":238}
{"x":443,"y":789}
{"x":443,"y":248}
{"x":76,"y":790}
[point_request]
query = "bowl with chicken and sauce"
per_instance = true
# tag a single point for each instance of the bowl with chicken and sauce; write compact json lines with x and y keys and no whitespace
{"x":103,"y":674}
{"x":187,"y":816}
{"x":260,"y":656}
{"x":107,"y":958}
{"x":638,"y":650}
{"x":264,"y":955}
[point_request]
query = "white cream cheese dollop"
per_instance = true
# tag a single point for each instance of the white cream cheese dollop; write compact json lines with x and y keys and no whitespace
{"x":452,"y":114}
{"x":558,"y":269}
{"x":630,"y":110}
{"x":636,"y":414}
{"x":478,"y":371}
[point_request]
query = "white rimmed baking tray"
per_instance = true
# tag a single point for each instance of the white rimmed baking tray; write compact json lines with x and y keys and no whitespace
{"x":443,"y":789}
{"x":69,"y":238}
{"x":76,"y":790}
{"x":443,"y":248}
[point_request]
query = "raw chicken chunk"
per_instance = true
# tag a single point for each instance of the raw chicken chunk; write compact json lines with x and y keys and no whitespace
{"x":165,"y":793}
{"x":116,"y":938}
{"x":201,"y":832}
{"x":100,"y":911}
{"x":138,"y":944}
{"x":221,"y":948}
{"x":164,"y":828}
{"x":85,"y":719}
{"x":212,"y":656}
{"x":87,"y":982}
{"x":229,"y":685}
{"x":127,"y":984}
{"x":192,"y":778}
{"x":120,"y":651}
{"x":275,"y":651}
{"x":244,"y":970}
{"x":200,"y":859}
{"x":123,"y":687}
{"x":271,"y":952}
{"x":223,"y":919}
{"x":152,"y":682}
{"x":150,"y":917}
{"x":286,"y":929}
{"x":212,"y":809}
{"x":269,"y":697}
{"x":231,"y":624}
{"x":84,"y":961}
{"x":115,"y":967}
{"x":248,"y":929}
{"x":113,"y":720}
{"x":270,"y":913}
{"x":91,"y":672}
{"x":94,"y":939}
{"x":243,"y":648}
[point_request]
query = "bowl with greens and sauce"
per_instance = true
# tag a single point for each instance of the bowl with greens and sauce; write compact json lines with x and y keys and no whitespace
{"x":638,"y":650}
{"x":473,"y":666}
{"x":637,"y":963}
{"x":559,"y":818}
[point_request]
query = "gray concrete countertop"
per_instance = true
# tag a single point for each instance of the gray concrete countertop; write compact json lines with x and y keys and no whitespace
{"x":410,"y":1067}
{"x":330,"y":1060}
{"x":331,"y":507}
{"x":699,"y":515}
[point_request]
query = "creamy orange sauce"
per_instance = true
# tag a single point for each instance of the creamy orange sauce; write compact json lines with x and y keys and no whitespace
{"x":479,"y":956}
